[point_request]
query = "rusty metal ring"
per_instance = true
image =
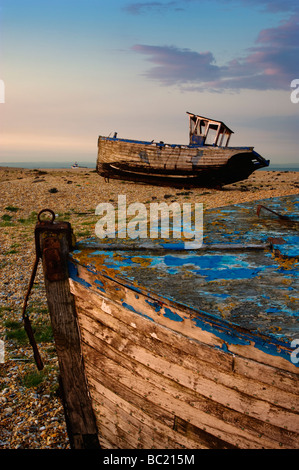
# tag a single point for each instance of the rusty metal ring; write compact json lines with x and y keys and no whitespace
{"x":46,"y":210}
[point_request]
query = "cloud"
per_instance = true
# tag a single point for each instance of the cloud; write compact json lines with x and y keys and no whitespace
{"x":140,"y":8}
{"x":270,"y":64}
{"x":271,"y":6}
{"x":174,"y":65}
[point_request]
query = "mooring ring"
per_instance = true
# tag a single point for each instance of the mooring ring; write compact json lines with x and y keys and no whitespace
{"x":46,"y":210}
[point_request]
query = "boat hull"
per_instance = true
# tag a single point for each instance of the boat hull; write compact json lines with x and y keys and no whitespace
{"x":175,"y":165}
{"x":193,"y":349}
{"x":160,"y":376}
{"x":173,"y":348}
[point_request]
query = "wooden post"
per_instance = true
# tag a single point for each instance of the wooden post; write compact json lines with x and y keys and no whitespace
{"x":53,"y":242}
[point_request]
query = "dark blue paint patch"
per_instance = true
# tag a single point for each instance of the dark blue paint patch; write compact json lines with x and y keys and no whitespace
{"x":224,"y":347}
{"x":173,"y":271}
{"x":172,"y":315}
{"x":274,"y":348}
{"x":101,"y":288}
{"x":230,"y":273}
{"x":154,"y":304}
{"x":218,"y":296}
{"x":225,"y":335}
{"x":132,"y":309}
{"x":273,"y":310}
{"x":73,"y":273}
{"x":174,"y":246}
{"x":206,"y":262}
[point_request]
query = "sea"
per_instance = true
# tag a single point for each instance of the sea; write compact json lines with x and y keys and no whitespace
{"x":47,"y":165}
{"x":83,"y":164}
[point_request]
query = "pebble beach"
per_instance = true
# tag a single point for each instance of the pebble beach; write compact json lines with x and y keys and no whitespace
{"x":31,"y":412}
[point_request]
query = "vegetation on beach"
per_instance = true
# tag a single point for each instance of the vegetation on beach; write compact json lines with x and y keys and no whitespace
{"x":34,"y":415}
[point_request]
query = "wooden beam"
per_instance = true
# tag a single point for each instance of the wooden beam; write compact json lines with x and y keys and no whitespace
{"x":53,"y":241}
{"x":228,"y":138}
{"x":217,"y":134}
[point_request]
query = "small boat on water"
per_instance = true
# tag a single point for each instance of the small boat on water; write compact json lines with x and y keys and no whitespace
{"x":206,"y":161}
{"x":75,"y":166}
{"x":184,"y":348}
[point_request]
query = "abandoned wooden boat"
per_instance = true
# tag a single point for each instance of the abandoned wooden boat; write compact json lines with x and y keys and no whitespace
{"x":206,"y":161}
{"x":181,"y":348}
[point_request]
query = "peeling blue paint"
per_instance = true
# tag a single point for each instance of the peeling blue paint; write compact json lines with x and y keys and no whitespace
{"x":272,"y":310}
{"x":101,"y":288}
{"x":154,"y":304}
{"x":174,"y":246}
{"x":224,"y":347}
{"x":226,"y":335}
{"x":231,"y":291}
{"x":132,"y":309}
{"x":73,"y":273}
{"x":220,"y":296}
{"x":229,"y":273}
{"x":172,"y":315}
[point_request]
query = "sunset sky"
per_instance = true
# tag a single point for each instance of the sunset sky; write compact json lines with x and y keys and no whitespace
{"x":76,"y":69}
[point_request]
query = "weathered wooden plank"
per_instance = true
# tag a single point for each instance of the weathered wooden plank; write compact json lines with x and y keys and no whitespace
{"x":54,"y":249}
{"x":185,"y":366}
{"x":186,"y":406}
{"x":117,"y":157}
{"x":187,"y":323}
{"x":205,"y":354}
{"x":114,"y":440}
{"x":120,"y":334}
{"x":124,"y":398}
{"x":266,"y":374}
{"x":148,"y":371}
{"x":255,"y":409}
{"x":123,"y":318}
{"x":144,"y":431}
{"x":159,"y":156}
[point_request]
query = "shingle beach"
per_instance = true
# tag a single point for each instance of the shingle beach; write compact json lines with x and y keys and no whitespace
{"x":31,"y":412}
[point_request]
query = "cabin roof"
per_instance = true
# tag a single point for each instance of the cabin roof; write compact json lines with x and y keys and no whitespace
{"x":211,"y":120}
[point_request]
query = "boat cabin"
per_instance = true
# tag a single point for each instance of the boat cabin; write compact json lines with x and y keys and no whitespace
{"x":205,"y":131}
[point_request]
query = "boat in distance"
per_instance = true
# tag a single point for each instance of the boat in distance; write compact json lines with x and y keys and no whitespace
{"x":207,"y":161}
{"x":181,"y":348}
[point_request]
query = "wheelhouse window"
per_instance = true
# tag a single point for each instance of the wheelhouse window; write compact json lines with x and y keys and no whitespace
{"x":204,"y":131}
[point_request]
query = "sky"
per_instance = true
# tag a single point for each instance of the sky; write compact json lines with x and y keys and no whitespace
{"x":77,"y":69}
